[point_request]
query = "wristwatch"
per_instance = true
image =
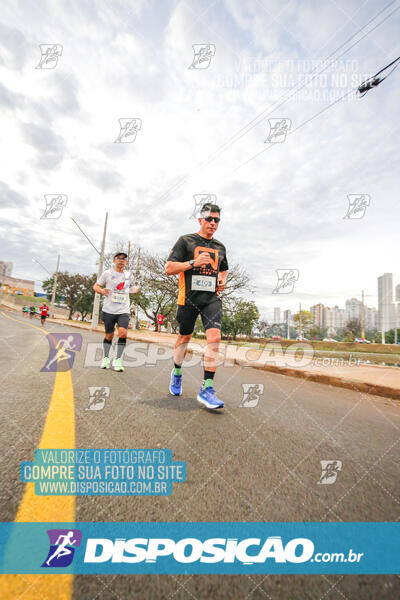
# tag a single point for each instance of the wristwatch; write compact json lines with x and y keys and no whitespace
{"x":191,"y":262}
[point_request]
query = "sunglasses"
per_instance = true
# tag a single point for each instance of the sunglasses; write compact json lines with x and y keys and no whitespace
{"x":211,"y":219}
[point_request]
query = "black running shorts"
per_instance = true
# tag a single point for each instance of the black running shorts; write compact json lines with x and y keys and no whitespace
{"x":43,"y":317}
{"x":211,"y":315}
{"x":110,"y":320}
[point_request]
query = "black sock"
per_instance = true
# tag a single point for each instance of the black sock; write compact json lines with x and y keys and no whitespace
{"x":208,"y":378}
{"x":121,"y":346}
{"x":106,"y":346}
{"x":177,"y":369}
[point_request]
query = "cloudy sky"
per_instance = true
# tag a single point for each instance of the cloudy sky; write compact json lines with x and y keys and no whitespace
{"x":200,"y":131}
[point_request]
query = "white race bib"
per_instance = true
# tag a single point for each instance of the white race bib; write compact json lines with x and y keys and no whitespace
{"x":203,"y":283}
{"x":119,"y":297}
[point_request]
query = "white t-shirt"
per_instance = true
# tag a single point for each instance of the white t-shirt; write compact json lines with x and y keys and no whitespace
{"x":117,"y":302}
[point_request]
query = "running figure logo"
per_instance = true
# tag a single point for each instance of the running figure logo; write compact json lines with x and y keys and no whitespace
{"x":128,"y":130}
{"x":97,"y":397}
{"x":286,"y":280}
{"x":62,"y":547}
{"x":358,"y":204}
{"x":330,"y":470}
{"x":199,"y":201}
{"x":203,"y":54}
{"x":278,"y":129}
{"x":251,"y":394}
{"x":62,"y":351}
{"x":50,"y":54}
{"x":54,"y":206}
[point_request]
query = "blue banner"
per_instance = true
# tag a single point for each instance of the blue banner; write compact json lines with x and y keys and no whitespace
{"x":182,"y":548}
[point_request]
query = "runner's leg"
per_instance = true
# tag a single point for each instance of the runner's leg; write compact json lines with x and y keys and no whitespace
{"x":211,"y":315}
{"x":109,"y":324}
{"x":123,"y":323}
{"x":186,"y":317}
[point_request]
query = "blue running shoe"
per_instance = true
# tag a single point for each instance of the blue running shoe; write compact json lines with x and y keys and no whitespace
{"x":175,"y":386}
{"x":208,"y":398}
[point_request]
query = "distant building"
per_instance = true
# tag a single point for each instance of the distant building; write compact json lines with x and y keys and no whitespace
{"x":318,"y":315}
{"x":334,"y":319}
{"x":386,"y":309}
{"x":6,"y":268}
{"x":287,"y":316}
{"x":397,"y":292}
{"x":371,"y":320}
{"x":353,"y":308}
{"x":13,"y":285}
{"x":277,"y":315}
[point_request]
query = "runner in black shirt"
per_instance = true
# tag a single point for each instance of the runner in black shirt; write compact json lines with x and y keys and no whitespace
{"x":200,"y":260}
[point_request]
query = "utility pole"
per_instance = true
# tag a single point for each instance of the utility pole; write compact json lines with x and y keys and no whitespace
{"x":96,"y":303}
{"x":288,"y":325}
{"x":53,"y":295}
{"x":383,"y":323}
{"x":300,"y":332}
{"x":362,"y":316}
{"x":129,"y":253}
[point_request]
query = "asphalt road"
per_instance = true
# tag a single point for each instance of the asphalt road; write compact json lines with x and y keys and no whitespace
{"x":259,"y":463}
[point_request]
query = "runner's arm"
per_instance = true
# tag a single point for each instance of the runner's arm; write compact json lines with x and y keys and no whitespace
{"x":221,"y":284}
{"x":102,"y":280}
{"x":173,"y":268}
{"x":103,"y":291}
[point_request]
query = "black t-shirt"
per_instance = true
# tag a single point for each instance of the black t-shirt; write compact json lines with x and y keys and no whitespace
{"x":193,"y":281}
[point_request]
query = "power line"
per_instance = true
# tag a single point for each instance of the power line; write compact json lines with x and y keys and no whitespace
{"x":256,"y":120}
{"x":290,"y":132}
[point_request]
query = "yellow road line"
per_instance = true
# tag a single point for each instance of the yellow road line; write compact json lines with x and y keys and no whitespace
{"x":58,"y":432}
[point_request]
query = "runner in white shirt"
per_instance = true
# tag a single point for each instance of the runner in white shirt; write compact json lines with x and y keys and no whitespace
{"x":115,"y":284}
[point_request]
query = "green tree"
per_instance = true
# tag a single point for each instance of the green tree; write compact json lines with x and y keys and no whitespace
{"x":159,"y":292}
{"x":75,"y":289}
{"x":47,"y":285}
{"x":389,"y":336}
{"x":240,"y":316}
{"x":307,"y":321}
{"x":318,"y":332}
{"x":352,"y":327}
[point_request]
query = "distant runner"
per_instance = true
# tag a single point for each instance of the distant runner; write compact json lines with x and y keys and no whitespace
{"x":44,"y":311}
{"x":25,"y":311}
{"x":160,"y":321}
{"x":116,"y":307}
{"x":202,"y":265}
{"x":32,"y":311}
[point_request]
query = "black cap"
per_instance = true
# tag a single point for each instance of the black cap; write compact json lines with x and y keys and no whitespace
{"x":118,"y":253}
